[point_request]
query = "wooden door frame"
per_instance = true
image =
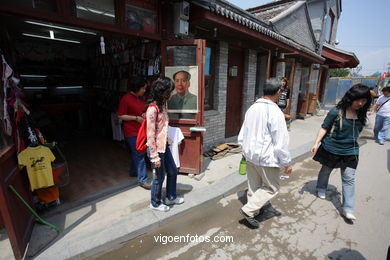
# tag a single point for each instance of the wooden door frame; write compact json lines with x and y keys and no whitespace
{"x":200,"y":45}
{"x":242,"y":83}
{"x":269,"y":64}
{"x":186,"y":124}
{"x":11,"y":208}
{"x":291,"y":85}
{"x":308,"y":90}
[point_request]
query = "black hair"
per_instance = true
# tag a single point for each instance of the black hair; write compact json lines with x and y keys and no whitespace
{"x":137,"y":83}
{"x":188,"y":75}
{"x":161,"y":90}
{"x":272,"y":86}
{"x":356,"y":92}
{"x":385,"y":89}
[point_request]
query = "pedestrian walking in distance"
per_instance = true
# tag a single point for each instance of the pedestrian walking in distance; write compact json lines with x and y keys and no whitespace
{"x":264,"y":140}
{"x":339,"y":147}
{"x":382,"y":119}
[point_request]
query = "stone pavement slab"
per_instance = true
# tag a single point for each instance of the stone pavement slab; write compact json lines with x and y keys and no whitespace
{"x":103,"y":224}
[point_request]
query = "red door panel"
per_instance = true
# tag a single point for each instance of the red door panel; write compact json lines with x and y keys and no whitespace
{"x":182,"y":53}
{"x":17,"y":219}
{"x":234,"y":91}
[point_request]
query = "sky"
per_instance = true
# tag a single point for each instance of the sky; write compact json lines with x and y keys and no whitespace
{"x":364,"y":29}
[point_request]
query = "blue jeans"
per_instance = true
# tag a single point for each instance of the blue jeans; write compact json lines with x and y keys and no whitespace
{"x":381,"y":128}
{"x":348,"y":184}
{"x":138,"y":165}
{"x":167,"y":166}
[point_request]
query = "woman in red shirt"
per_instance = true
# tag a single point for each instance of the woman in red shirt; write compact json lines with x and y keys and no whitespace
{"x":132,"y":112}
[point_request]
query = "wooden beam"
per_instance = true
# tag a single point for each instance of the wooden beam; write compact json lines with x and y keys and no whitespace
{"x":268,"y":69}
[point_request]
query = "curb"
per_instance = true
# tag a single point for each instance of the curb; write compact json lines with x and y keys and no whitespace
{"x":111,"y":236}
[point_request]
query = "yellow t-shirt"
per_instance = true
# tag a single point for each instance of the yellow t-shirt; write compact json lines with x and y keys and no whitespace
{"x":38,"y":162}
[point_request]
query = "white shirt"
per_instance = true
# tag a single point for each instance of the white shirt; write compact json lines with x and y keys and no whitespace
{"x":176,"y":135}
{"x":385,"y":109}
{"x":264,"y":136}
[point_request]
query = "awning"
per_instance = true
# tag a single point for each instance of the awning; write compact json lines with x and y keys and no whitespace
{"x":238,"y":21}
{"x":338,"y":58}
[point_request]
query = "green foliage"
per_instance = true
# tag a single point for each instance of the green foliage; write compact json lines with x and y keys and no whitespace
{"x":339,"y":72}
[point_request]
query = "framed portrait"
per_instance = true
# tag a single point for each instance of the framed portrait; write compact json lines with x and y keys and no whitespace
{"x":184,"y":99}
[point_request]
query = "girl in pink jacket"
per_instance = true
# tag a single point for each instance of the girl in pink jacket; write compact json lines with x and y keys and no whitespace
{"x":158,"y":151}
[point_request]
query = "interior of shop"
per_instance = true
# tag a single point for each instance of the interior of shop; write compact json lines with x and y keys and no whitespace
{"x":72,"y":80}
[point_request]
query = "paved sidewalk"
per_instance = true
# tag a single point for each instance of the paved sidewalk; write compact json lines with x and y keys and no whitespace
{"x":103,"y":224}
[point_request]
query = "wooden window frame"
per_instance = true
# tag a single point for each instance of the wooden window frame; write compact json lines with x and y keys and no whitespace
{"x":64,"y":16}
{"x":210,"y":78}
{"x":332,"y":17}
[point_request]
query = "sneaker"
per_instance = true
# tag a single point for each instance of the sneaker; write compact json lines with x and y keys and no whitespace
{"x":349,"y":215}
{"x":381,"y":143}
{"x":161,"y":207}
{"x":146,"y":185}
{"x":178,"y":200}
{"x":321,"y":194}
{"x":268,"y":211}
{"x":251,"y":220}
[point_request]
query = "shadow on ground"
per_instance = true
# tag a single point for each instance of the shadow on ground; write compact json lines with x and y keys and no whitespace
{"x":332,"y":195}
{"x":346,"y":254}
{"x":265,"y":213}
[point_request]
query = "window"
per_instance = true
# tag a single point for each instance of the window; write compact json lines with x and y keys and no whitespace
{"x":182,"y":60}
{"x":47,"y":5}
{"x":314,"y":78}
{"x":329,"y":26}
{"x":98,"y":10}
{"x":260,"y":75}
{"x":304,"y":81}
{"x":283,"y":69}
{"x":209,"y":76}
{"x":141,"y":19}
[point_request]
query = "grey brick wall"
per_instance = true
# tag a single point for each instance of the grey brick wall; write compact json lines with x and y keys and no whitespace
{"x":184,"y":55}
{"x":249,"y":81}
{"x":214,"y":120}
{"x":317,"y":13}
{"x":296,"y":27}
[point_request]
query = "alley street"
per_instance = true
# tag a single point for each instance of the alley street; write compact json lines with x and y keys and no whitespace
{"x":309,"y":228}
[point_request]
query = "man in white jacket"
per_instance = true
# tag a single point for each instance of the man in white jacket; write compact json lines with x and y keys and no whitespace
{"x":264,"y":140}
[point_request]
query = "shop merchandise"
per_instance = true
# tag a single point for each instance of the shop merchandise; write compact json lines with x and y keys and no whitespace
{"x":6,"y":73}
{"x":176,"y":135}
{"x":38,"y":162}
{"x":116,"y":124}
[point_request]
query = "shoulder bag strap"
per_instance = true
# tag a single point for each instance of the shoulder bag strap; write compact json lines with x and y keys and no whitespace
{"x":340,"y":118}
{"x":382,"y":105}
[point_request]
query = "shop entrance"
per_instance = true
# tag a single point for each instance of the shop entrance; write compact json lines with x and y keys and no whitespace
{"x":73,"y":90}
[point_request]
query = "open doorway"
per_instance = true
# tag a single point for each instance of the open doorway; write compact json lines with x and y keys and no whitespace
{"x":72,"y":80}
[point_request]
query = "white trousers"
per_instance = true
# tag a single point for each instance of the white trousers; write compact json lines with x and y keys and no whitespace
{"x":263,"y":185}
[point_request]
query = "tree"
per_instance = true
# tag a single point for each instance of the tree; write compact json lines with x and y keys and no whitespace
{"x":339,"y":72}
{"x":355,"y":72}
